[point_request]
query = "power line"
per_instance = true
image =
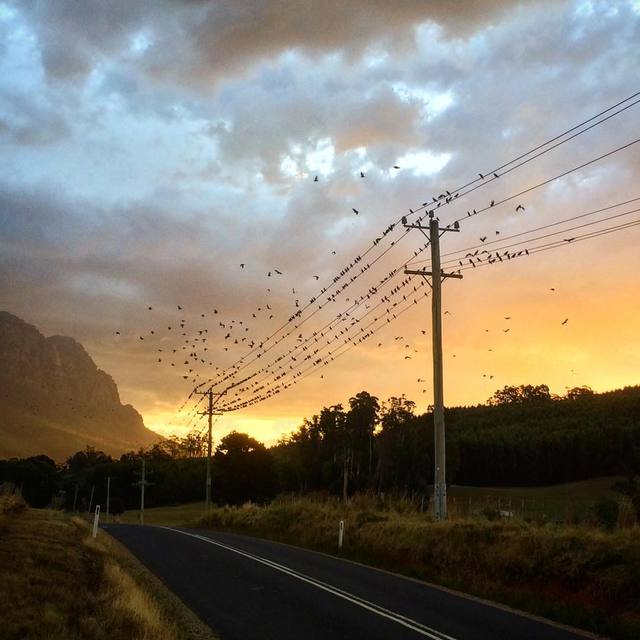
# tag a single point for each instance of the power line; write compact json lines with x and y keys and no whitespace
{"x":448,"y":200}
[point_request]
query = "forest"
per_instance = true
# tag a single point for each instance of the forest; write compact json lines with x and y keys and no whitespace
{"x":522,"y":436}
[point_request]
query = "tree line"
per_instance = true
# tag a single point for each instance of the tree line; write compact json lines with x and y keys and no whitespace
{"x":522,"y":436}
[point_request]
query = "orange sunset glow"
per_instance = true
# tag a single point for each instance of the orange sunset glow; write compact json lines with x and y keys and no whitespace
{"x":183,"y":215}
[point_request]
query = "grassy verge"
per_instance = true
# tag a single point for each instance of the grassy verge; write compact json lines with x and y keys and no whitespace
{"x":579,"y":576}
{"x":59,"y":583}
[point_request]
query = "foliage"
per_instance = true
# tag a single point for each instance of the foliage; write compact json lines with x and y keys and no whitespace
{"x":524,"y":436}
{"x":36,"y":476}
{"x":245,"y":470}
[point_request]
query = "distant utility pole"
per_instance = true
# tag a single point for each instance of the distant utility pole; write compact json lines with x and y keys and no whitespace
{"x":210,"y":413}
{"x":437,"y":276}
{"x":93,"y":486}
{"x":75,"y":498}
{"x":108,"y":496}
{"x":142,"y":483}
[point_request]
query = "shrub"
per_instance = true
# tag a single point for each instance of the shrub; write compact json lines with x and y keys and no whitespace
{"x":606,"y":512}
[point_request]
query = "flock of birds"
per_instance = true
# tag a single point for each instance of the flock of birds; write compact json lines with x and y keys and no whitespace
{"x":194,"y":347}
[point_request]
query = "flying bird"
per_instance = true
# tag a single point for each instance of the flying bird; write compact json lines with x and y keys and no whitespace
{"x":483,"y":238}
{"x":481,"y":176}
{"x":395,"y":166}
{"x":519,"y":208}
{"x":315,"y":179}
{"x":361,"y":174}
{"x":117,"y":333}
{"x":355,"y":211}
{"x":278,"y":272}
{"x":565,"y":321}
{"x":317,"y":277}
{"x":242,"y":265}
{"x":179,"y":308}
{"x":150,"y":308}
{"x":569,"y":239}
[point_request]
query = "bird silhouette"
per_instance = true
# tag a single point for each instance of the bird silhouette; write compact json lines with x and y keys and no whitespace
{"x":506,"y":330}
{"x":495,"y":175}
{"x":278,"y":272}
{"x":150,"y":308}
{"x":569,"y":239}
{"x":355,"y":211}
{"x":483,"y":238}
{"x":317,"y":277}
{"x":395,"y":166}
{"x":519,"y":208}
{"x":361,"y":174}
{"x":242,"y":265}
{"x":565,"y":321}
{"x":117,"y":333}
{"x":315,"y":179}
{"x":481,"y":176}
{"x":179,"y":308}
{"x":492,"y":203}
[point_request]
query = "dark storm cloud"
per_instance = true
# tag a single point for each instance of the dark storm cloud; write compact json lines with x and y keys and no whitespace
{"x":202,"y":41}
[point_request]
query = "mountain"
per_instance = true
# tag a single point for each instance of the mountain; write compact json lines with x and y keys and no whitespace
{"x":54,"y":400}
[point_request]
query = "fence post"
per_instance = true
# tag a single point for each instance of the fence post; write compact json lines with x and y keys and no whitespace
{"x":340,"y":534}
{"x":96,"y":517}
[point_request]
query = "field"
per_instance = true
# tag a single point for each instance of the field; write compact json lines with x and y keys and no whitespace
{"x":557,"y":502}
{"x":58,"y":583}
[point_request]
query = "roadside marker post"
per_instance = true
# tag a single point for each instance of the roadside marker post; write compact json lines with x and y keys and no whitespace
{"x":96,"y":517}
{"x":340,"y":534}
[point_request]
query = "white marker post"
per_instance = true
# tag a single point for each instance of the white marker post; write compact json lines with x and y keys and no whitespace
{"x":340,"y":534}
{"x":96,"y":517}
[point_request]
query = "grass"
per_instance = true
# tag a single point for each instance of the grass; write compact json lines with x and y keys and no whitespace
{"x":60,"y":583}
{"x":557,"y":501}
{"x":176,"y":515}
{"x":581,"y":576}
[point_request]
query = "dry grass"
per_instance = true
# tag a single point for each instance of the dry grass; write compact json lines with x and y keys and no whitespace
{"x":59,"y":583}
{"x":577,"y":575}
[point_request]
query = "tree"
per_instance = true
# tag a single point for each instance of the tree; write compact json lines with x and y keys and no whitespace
{"x":361,"y":421}
{"x":520,"y":394}
{"x":87,"y":458}
{"x":246,"y":470}
{"x":576,"y":393}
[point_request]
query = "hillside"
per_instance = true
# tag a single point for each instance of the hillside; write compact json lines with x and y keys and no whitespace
{"x":54,"y":400}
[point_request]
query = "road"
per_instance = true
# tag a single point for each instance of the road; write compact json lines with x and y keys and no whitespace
{"x":247,"y":588}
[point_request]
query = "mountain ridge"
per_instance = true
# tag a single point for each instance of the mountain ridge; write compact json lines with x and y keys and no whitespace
{"x":55,"y":400}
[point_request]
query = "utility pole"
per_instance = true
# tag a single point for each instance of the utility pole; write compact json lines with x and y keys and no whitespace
{"x":142,"y":483}
{"x":437,"y":276}
{"x":209,"y":413}
{"x":75,"y":497}
{"x":93,"y":486}
{"x":108,"y":496}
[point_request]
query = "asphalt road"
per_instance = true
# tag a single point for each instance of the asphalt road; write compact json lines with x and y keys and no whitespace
{"x":247,"y":588}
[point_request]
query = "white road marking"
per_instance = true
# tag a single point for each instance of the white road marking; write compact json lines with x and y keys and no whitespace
{"x":414,"y":625}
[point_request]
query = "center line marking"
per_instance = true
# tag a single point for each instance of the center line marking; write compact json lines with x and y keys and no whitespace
{"x":398,"y":618}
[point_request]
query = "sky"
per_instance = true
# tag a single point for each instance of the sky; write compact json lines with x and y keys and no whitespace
{"x":149,"y":149}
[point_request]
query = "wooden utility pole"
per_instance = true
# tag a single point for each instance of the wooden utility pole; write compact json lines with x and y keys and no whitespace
{"x":93,"y":486}
{"x":437,"y":276}
{"x":209,"y":413}
{"x":142,"y":483}
{"x":108,"y":497}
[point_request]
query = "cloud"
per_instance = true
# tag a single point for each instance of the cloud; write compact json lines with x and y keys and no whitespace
{"x":203,"y":41}
{"x":149,"y":148}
